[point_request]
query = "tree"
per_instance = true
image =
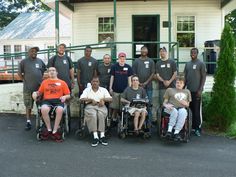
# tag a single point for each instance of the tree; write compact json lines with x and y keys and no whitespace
{"x":10,"y":9}
{"x":221,"y":111}
{"x":231,"y":19}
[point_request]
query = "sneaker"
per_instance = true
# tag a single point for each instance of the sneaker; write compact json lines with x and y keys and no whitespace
{"x":103,"y":141}
{"x":28,"y":126}
{"x":168,"y":135}
{"x":57,"y":137}
{"x":197,"y":132}
{"x":95,"y":142}
{"x":177,"y":137}
{"x":45,"y":135}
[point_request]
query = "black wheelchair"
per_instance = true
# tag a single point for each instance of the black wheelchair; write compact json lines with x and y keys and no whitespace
{"x":82,"y":128}
{"x":125,"y":125}
{"x":64,"y":124}
{"x":162,"y":125}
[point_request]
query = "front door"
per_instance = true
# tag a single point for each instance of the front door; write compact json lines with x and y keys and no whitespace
{"x":146,"y":28}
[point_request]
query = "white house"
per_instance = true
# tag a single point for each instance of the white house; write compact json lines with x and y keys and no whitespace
{"x":33,"y":29}
{"x":193,"y":23}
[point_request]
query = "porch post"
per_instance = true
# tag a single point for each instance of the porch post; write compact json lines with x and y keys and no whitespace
{"x":169,"y":24}
{"x":113,"y":52}
{"x":57,"y":34}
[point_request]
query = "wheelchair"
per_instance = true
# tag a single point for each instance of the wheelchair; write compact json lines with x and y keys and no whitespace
{"x":64,"y":124}
{"x":82,"y":128}
{"x":125,"y":125}
{"x":162,"y":125}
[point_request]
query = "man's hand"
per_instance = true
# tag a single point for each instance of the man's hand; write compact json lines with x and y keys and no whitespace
{"x":72,"y":85}
{"x":199,"y":93}
{"x":169,"y":106}
{"x":111,"y":91}
{"x":63,"y":99}
{"x":184,"y":103}
{"x":94,"y":103}
{"x":101,"y":103}
{"x":34,"y":95}
{"x":166,"y":83}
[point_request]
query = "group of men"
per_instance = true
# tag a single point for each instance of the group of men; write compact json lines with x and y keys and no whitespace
{"x":106,"y":82}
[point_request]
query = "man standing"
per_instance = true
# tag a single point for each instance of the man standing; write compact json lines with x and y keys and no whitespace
{"x":55,"y":92}
{"x":87,"y":69}
{"x":63,"y":65}
{"x":144,"y":68}
{"x":104,"y":71}
{"x":95,"y":110}
{"x":195,"y":75}
{"x":31,"y":72}
{"x":120,"y":79}
{"x":166,"y":73}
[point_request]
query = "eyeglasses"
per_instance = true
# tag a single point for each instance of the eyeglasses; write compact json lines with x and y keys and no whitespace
{"x":135,"y":80}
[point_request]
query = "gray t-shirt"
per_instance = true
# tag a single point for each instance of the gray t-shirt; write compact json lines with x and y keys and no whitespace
{"x":87,"y":67}
{"x":166,"y":70}
{"x":195,"y":72}
{"x":130,"y":93}
{"x":63,"y":65}
{"x":174,"y":95}
{"x":104,"y":75}
{"x":144,"y":68}
{"x":32,"y":71}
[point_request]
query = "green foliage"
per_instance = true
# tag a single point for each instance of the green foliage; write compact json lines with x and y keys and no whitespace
{"x":221,"y":110}
{"x":232,"y":130}
{"x":206,"y":98}
{"x":10,"y":9}
{"x":231,"y":19}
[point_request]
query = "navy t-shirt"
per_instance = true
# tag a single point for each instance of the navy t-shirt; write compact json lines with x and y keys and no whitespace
{"x":121,"y":74}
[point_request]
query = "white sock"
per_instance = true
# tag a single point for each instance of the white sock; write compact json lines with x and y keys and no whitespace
{"x":176,"y":132}
{"x":53,"y":132}
{"x":49,"y":130}
{"x":102,"y":134}
{"x":28,"y":121}
{"x":95,"y":135}
{"x":170,"y":129}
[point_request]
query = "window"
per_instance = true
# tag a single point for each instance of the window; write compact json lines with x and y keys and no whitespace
{"x":105,"y":29}
{"x":186,"y":31}
{"x":7,"y":50}
{"x":51,"y":51}
{"x":17,"y":49}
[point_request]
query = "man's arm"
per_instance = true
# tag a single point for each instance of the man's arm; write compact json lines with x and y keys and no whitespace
{"x":124,"y":101}
{"x":72,"y":76}
{"x":111,"y":84}
{"x":129,"y":81}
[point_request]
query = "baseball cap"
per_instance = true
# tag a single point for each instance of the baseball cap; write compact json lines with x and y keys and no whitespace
{"x":163,"y":48}
{"x":34,"y":47}
{"x":122,"y":54}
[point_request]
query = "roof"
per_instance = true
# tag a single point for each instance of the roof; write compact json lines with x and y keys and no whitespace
{"x":35,"y":25}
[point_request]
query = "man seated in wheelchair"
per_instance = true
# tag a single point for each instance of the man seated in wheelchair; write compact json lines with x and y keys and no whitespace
{"x":135,"y":98}
{"x":176,"y":100}
{"x":95,"y":110}
{"x":54,"y":92}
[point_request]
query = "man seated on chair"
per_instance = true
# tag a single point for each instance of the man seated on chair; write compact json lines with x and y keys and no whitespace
{"x":95,"y":110}
{"x":176,"y":100}
{"x":135,"y":92}
{"x":55,"y":92}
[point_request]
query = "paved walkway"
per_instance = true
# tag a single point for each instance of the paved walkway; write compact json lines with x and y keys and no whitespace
{"x":21,"y":155}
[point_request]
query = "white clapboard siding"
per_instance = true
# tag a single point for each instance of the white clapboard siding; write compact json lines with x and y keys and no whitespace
{"x":85,"y":21}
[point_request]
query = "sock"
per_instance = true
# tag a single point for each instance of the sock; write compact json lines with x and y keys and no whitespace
{"x":102,"y":134}
{"x":95,"y":135}
{"x":176,"y":132}
{"x":53,"y":132}
{"x":170,"y":129}
{"x":28,"y":121}
{"x":49,"y":130}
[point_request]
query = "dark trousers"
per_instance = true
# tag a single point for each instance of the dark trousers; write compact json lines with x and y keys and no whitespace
{"x":195,"y":106}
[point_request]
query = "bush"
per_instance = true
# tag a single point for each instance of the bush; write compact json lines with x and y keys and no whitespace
{"x":206,"y":98}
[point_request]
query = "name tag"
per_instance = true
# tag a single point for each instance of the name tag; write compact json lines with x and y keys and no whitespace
{"x":90,"y":63}
{"x":146,"y":64}
{"x":163,"y":66}
{"x":58,"y":83}
{"x":168,"y":65}
{"x":108,"y":71}
{"x":194,"y":66}
{"x":36,"y":65}
{"x":125,"y":69}
{"x":64,"y":61}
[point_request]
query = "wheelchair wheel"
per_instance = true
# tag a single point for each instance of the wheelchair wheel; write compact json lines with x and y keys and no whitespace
{"x":80,"y":133}
{"x":67,"y":127}
{"x":146,"y":135}
{"x":63,"y":136}
{"x":38,"y":136}
{"x":122,"y":135}
{"x":159,"y":112}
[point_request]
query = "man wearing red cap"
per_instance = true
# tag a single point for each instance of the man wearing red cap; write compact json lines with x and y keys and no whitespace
{"x":120,"y":78}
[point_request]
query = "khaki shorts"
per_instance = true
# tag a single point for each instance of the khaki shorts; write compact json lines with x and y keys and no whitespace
{"x":28,"y":100}
{"x":115,"y":101}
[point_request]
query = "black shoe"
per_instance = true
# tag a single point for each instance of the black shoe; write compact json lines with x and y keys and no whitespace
{"x":95,"y":142}
{"x":113,"y":123}
{"x":28,"y":126}
{"x":168,"y":135}
{"x":103,"y":141}
{"x":177,"y":137}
